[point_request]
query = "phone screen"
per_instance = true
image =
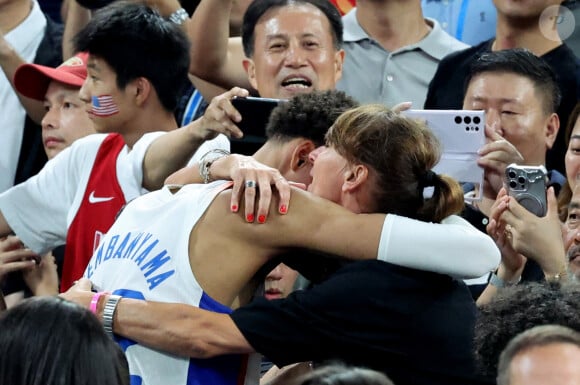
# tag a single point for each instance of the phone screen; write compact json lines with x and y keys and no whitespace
{"x":462,"y":134}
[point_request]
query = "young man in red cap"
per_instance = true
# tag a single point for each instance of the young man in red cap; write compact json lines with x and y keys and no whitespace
{"x":64,"y":122}
{"x":66,"y":119}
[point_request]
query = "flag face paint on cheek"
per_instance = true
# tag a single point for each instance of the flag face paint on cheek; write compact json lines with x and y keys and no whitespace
{"x":104,"y":105}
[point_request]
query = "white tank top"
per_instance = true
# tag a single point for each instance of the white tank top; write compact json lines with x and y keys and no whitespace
{"x":145,"y":255}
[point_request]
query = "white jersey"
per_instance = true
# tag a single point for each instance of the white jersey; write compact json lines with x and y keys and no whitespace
{"x":40,"y":210}
{"x":145,"y":255}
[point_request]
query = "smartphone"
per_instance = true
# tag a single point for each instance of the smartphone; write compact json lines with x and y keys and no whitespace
{"x":461,"y":134}
{"x":255,"y":114}
{"x":527,"y":184}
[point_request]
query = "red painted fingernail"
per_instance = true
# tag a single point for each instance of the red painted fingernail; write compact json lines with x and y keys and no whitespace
{"x":234,"y":208}
{"x":250,"y":217}
{"x":283,"y":209}
{"x":262,"y":218}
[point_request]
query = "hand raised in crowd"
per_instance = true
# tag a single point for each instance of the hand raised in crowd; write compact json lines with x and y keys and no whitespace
{"x":253,"y":180}
{"x":537,"y":238}
{"x":14,"y":256}
{"x":221,"y":116}
{"x":496,"y":155}
{"x":42,"y":279}
{"x":512,"y":262}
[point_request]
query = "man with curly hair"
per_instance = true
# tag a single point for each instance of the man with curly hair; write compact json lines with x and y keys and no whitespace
{"x":519,"y":308}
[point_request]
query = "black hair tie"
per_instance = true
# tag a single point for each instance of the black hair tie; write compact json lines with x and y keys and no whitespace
{"x":427,"y":179}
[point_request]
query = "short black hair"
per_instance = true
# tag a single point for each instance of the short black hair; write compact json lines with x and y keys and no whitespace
{"x":308,"y":115}
{"x":520,"y":61}
{"x":519,"y":308}
{"x":47,"y":340}
{"x":136,"y":41}
{"x":258,"y":8}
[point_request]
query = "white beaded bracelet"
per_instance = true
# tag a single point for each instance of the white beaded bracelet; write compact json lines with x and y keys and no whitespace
{"x":178,"y":17}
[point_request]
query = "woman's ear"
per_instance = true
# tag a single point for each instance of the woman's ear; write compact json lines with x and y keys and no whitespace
{"x":354,"y":177}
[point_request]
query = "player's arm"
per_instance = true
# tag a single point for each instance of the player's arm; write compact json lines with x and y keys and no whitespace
{"x":175,"y":328}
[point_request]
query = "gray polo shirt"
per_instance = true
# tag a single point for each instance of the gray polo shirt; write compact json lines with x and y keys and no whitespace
{"x":373,"y":75}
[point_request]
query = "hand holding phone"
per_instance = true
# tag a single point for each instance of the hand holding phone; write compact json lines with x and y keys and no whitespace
{"x":461,"y":134}
{"x":527,"y":184}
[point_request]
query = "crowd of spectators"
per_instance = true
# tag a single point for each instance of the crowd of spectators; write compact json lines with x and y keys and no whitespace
{"x":136,"y":249}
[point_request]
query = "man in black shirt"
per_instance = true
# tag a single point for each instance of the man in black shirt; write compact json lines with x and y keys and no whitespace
{"x":518,"y":25}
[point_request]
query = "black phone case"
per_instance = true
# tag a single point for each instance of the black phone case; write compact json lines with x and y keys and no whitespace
{"x":255,"y":114}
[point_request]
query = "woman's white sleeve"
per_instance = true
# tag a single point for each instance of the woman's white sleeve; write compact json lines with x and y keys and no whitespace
{"x":452,"y":247}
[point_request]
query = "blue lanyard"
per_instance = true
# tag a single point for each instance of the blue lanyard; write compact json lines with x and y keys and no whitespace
{"x":461,"y":19}
{"x":192,"y":106}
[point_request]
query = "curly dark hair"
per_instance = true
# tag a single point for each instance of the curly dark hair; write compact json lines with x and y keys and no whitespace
{"x":520,"y":308}
{"x":308,"y":115}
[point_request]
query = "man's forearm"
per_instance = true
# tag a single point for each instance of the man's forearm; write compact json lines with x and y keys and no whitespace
{"x":77,"y":18}
{"x":215,"y":57}
{"x":179,"y":329}
{"x":10,"y":60}
{"x":209,"y":33}
{"x":168,"y":153}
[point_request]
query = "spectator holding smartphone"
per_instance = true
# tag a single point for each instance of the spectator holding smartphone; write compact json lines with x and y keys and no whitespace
{"x":519,"y":93}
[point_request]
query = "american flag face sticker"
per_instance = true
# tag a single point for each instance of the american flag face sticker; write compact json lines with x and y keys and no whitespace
{"x":104,"y":105}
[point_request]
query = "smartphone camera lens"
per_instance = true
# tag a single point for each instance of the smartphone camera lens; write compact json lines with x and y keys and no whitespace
{"x":513,"y":184}
{"x":476,"y":120}
{"x":521,"y":180}
{"x":512,"y":174}
{"x":458,"y":119}
{"x":467,"y":120}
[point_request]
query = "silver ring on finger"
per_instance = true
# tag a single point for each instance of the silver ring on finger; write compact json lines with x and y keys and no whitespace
{"x":250,"y":184}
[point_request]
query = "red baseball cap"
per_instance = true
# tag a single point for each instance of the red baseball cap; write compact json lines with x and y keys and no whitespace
{"x":32,"y":80}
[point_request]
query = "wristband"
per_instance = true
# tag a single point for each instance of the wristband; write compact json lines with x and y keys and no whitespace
{"x":206,"y":161}
{"x":95,"y":301}
{"x":109,"y":312}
